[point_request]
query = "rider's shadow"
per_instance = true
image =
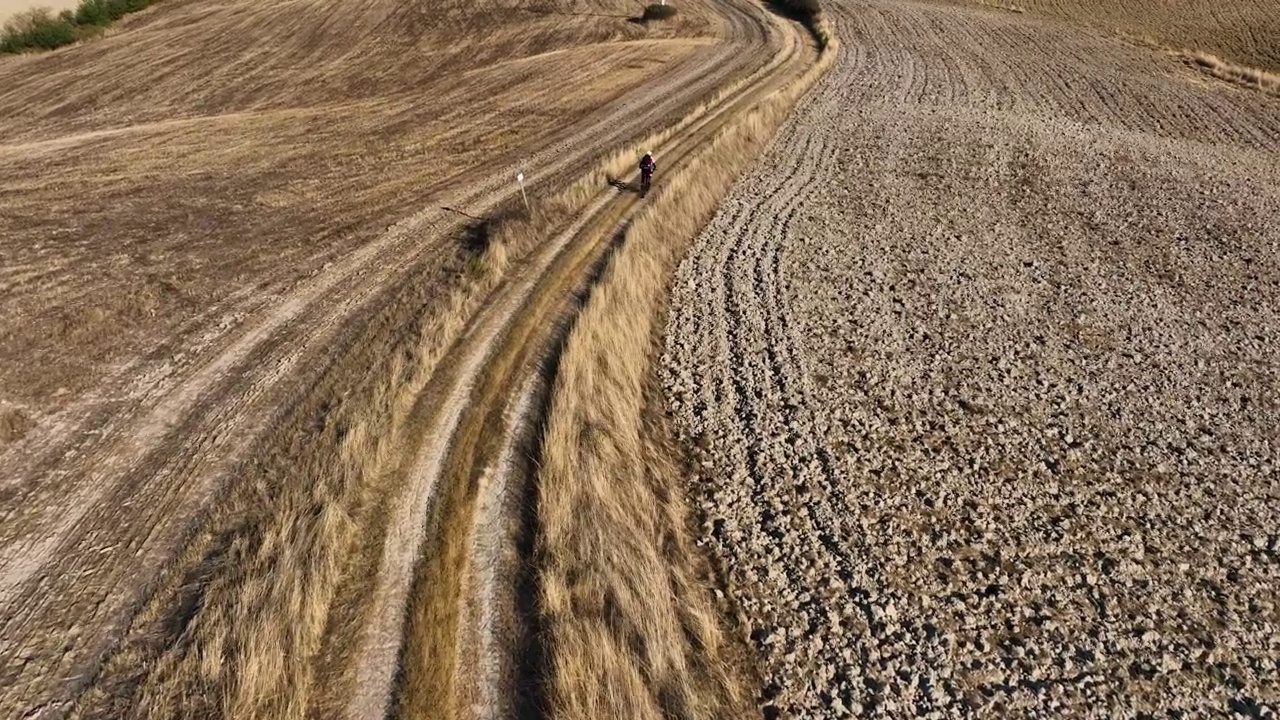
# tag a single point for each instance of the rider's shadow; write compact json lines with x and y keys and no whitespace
{"x":625,"y":186}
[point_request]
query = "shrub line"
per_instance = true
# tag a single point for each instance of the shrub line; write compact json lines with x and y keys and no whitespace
{"x":39,"y":29}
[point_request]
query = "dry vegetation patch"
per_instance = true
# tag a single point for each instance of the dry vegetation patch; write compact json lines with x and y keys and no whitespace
{"x":1219,"y":68}
{"x":630,"y":626}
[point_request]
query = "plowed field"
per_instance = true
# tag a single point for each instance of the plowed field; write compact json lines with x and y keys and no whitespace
{"x":981,"y":359}
{"x":1245,"y":31}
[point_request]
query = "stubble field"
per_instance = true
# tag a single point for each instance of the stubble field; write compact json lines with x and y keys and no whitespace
{"x":980,"y":361}
{"x":237,"y":239}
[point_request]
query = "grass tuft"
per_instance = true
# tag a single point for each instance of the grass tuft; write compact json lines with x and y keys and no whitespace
{"x":14,"y":424}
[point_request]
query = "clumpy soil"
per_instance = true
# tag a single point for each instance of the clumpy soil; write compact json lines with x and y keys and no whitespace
{"x":982,"y":359}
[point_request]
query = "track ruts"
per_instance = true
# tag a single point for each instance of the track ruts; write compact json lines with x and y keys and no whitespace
{"x":481,"y":408}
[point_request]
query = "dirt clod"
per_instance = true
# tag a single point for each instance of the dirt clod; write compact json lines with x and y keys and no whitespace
{"x":986,"y":349}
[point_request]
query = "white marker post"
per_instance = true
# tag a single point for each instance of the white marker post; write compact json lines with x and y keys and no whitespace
{"x":520,"y":179}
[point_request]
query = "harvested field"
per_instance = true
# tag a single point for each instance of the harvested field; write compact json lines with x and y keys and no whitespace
{"x":1244,"y":31}
{"x":980,"y":362}
{"x":238,"y":241}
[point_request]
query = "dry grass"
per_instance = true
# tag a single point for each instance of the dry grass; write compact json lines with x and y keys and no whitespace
{"x":630,"y":627}
{"x":429,"y":675}
{"x":265,"y":612}
{"x":264,"y":607}
{"x":251,"y":652}
{"x":1223,"y":70}
{"x":254,"y":185}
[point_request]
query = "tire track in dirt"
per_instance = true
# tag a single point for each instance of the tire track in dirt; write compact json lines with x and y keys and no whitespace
{"x":218,"y":410}
{"x":474,"y":435}
{"x":823,"y":349}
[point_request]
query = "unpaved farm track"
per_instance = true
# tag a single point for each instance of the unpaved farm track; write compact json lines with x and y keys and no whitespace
{"x":472,"y":477}
{"x":137,"y":476}
{"x":982,"y":358}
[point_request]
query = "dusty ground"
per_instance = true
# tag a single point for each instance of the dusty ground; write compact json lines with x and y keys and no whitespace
{"x":225,"y":227}
{"x":981,"y":360}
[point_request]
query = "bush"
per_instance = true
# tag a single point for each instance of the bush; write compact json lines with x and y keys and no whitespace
{"x":104,"y":12}
{"x":37,"y":29}
{"x":92,"y":12}
{"x":658,"y":12}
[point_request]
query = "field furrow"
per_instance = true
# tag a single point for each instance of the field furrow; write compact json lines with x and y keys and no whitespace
{"x":976,"y":364}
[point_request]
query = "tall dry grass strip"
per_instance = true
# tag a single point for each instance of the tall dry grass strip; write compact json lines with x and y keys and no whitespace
{"x":1239,"y":74}
{"x":249,"y":647}
{"x":429,"y":674}
{"x":261,"y":616}
{"x":630,"y":629}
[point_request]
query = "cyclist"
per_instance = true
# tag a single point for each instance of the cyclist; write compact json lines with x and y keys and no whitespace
{"x":647,"y":167}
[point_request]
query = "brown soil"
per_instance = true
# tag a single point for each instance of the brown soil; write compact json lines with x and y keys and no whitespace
{"x":1245,"y":31}
{"x":980,"y":360}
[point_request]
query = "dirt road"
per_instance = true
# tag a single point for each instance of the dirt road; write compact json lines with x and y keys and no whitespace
{"x":981,"y":358}
{"x":473,"y":477}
